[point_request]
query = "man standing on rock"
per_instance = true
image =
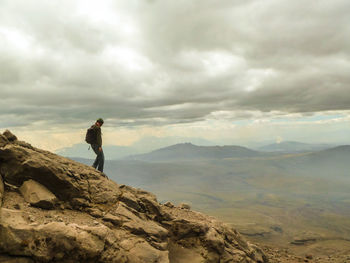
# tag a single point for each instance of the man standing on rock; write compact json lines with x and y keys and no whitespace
{"x":96,"y":145}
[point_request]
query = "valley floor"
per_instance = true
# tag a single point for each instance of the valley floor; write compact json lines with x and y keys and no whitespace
{"x":287,"y":255}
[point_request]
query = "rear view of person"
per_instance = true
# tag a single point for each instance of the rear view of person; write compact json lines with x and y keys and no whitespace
{"x":94,"y":137}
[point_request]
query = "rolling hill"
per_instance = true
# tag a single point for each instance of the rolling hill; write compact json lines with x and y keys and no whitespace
{"x":293,"y":147}
{"x":190,"y":152}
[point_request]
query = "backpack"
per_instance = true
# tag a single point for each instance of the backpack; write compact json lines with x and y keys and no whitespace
{"x":90,"y":136}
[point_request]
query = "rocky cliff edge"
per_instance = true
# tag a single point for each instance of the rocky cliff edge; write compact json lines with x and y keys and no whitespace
{"x":53,"y":209}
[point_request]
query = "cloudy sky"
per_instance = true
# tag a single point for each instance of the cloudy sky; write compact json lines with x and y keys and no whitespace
{"x":227,"y":71}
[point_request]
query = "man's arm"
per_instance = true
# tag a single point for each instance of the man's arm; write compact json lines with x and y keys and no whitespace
{"x":99,"y":138}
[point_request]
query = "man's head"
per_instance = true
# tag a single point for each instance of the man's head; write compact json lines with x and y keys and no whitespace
{"x":100,"y":122}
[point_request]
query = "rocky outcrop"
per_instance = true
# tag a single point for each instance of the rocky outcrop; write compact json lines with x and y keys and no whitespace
{"x":37,"y":195}
{"x":93,"y":219}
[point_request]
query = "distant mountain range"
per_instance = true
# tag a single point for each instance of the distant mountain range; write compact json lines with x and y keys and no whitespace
{"x":113,"y":152}
{"x":157,"y":149}
{"x":293,"y":147}
{"x":190,"y":152}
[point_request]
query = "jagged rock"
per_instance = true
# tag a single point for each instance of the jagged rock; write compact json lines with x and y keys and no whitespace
{"x":11,"y":137}
{"x":215,"y":240}
{"x":144,"y":252}
{"x":96,"y":220}
{"x":169,"y":204}
{"x":63,"y":177}
{"x":37,"y":195}
{"x":17,"y":237}
{"x":185,"y":206}
{"x":3,"y":140}
{"x":24,"y":144}
{"x":80,"y":203}
{"x":95,"y":212}
{"x":115,"y":220}
{"x":146,"y":227}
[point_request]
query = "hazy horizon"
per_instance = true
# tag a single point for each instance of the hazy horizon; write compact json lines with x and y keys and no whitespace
{"x":151,"y":145}
{"x":225,"y":72}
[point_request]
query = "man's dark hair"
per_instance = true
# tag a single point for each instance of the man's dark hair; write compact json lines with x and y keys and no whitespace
{"x":100,"y":120}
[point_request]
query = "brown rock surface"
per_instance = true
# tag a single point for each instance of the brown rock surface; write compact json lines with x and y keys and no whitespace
{"x":3,"y":140}
{"x":7,"y":259}
{"x":96,"y":220}
{"x":1,"y":190}
{"x":37,"y":195}
{"x":10,"y":136}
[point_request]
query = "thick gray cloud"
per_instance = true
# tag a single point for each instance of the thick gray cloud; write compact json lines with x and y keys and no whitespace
{"x":159,"y":62}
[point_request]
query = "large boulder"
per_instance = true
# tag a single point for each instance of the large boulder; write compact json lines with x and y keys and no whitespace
{"x":65,"y":178}
{"x":38,"y":195}
{"x":97,"y":220}
{"x":51,"y":241}
{"x":10,"y":136}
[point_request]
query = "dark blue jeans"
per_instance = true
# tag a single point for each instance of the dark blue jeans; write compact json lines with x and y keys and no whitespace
{"x":100,"y":158}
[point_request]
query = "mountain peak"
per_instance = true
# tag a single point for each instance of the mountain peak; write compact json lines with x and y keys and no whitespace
{"x":56,"y":209}
{"x":189,"y":151}
{"x":184,"y":144}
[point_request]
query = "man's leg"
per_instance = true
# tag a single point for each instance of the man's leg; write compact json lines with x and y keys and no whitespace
{"x":101,"y":161}
{"x":95,"y":148}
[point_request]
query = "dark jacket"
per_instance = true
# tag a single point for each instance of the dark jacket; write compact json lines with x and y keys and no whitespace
{"x":98,"y":135}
